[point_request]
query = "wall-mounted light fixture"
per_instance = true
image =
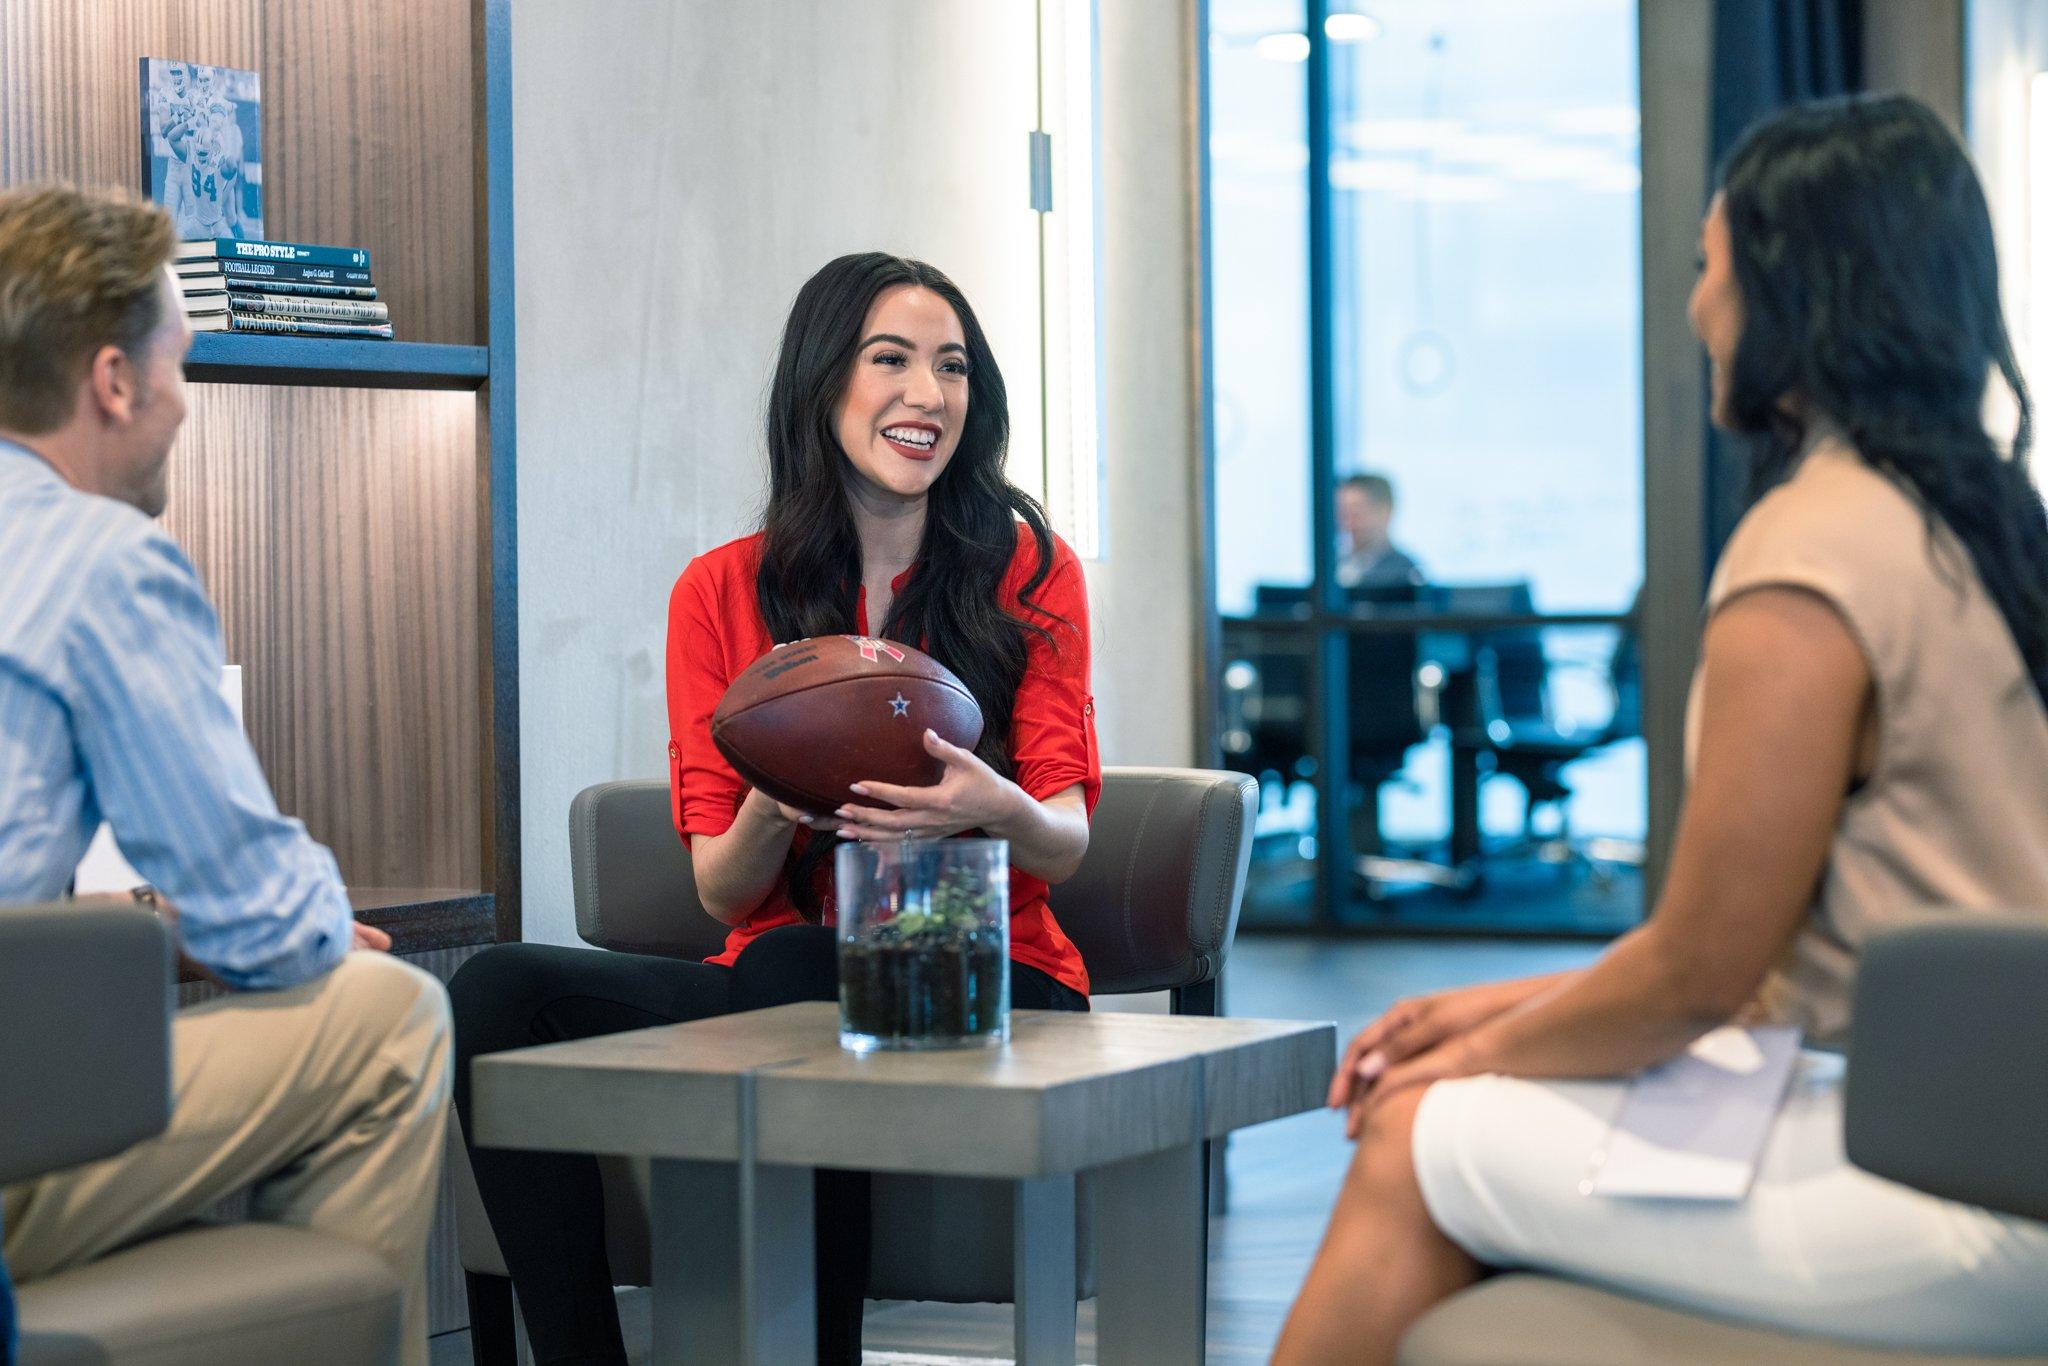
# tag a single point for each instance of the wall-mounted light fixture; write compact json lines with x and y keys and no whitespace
{"x":1065,"y":191}
{"x":1343,"y":26}
{"x":2034,"y":362}
{"x":1283,"y":47}
{"x":1348,"y":26}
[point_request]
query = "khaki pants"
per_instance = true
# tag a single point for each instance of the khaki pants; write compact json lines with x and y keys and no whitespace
{"x":327,"y":1102}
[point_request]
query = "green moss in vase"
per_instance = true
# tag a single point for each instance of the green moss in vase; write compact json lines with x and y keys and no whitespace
{"x":932,"y":977}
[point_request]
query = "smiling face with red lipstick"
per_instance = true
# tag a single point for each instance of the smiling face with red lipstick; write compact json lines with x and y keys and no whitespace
{"x":905,"y":403}
{"x":891,"y":514}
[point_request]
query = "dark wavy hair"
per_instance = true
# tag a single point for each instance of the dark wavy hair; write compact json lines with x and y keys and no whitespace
{"x":810,"y":574}
{"x":1863,"y":251}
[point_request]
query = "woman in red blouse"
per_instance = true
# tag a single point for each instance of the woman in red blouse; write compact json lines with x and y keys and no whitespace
{"x":888,"y":514}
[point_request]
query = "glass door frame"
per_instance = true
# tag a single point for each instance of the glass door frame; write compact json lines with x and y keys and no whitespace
{"x":1329,"y":621}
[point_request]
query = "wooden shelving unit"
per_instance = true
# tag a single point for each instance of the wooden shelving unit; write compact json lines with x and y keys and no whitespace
{"x":233,"y":358}
{"x":349,"y":504}
{"x":429,"y":917}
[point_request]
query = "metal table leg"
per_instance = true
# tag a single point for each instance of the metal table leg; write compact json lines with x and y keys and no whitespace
{"x":1152,"y":1260}
{"x":1043,"y":1259}
{"x":733,"y":1274}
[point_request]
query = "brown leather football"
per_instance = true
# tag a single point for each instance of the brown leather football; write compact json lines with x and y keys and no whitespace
{"x":809,"y":719}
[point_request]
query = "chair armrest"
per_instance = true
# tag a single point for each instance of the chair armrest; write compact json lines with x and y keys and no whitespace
{"x":1154,"y":905}
{"x":1944,"y":1087}
{"x":635,"y":889}
{"x":85,"y":1036}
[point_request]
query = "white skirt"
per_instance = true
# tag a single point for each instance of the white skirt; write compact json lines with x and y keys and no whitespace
{"x":1817,"y":1246}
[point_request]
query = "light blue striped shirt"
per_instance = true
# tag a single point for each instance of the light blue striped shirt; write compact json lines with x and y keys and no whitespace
{"x":110,"y":709}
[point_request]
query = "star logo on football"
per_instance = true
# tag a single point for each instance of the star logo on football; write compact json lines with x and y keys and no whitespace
{"x":899,"y":705}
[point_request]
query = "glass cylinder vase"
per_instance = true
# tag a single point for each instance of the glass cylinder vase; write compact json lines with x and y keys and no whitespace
{"x":924,"y":944}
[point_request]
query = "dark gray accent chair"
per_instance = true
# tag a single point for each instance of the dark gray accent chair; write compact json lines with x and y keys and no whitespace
{"x":1944,"y":1094}
{"x":85,"y":1066}
{"x":1153,"y":908}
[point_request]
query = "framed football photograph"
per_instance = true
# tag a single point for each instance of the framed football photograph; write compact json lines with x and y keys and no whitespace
{"x":202,"y":147}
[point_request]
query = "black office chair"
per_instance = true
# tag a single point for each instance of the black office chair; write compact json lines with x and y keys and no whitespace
{"x":1264,"y":696}
{"x":1281,"y":599}
{"x":1528,"y":746}
{"x":1393,"y":708}
{"x":1265,"y":713}
{"x":1265,"y":700}
{"x":1386,"y":721}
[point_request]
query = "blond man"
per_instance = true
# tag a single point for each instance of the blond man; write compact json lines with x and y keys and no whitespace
{"x":320,"y":1083}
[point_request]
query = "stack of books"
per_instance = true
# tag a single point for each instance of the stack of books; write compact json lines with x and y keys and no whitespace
{"x":232,"y":285}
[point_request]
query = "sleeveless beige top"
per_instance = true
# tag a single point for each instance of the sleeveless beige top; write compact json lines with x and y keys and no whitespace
{"x":1953,"y":818}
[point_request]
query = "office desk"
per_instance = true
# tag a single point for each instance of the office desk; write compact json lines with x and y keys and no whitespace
{"x":1298,"y":631}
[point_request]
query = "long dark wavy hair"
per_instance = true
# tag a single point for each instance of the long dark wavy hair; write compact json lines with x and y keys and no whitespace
{"x":810,"y":574}
{"x":1863,"y":250}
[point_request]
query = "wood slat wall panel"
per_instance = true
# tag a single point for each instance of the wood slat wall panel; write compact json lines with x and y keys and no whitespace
{"x":372,"y":101}
{"x":68,"y":97}
{"x":337,"y":530}
{"x":382,"y":636}
{"x":368,"y":124}
{"x":220,"y":496}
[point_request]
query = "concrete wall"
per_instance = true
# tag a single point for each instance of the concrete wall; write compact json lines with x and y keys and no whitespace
{"x":2007,"y":43}
{"x":1916,"y":47}
{"x":680,"y":167}
{"x":1144,"y":593}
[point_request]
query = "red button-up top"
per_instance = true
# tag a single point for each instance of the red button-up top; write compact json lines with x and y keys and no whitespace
{"x":715,"y":631}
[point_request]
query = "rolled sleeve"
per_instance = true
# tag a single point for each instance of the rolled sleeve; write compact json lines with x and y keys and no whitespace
{"x":1052,"y":730}
{"x":260,"y":903}
{"x":705,"y":793}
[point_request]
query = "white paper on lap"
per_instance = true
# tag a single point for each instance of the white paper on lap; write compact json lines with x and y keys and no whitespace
{"x":103,"y":869}
{"x":1693,"y":1128}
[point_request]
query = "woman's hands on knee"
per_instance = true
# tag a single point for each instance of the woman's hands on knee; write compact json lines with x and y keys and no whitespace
{"x":1392,"y":1047}
{"x":1413,"y":1026}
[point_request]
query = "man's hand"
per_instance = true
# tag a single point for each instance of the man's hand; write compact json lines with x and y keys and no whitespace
{"x":149,"y":900}
{"x":371,"y":938}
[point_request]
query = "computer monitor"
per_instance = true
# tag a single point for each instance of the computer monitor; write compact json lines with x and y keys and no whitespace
{"x":1379,"y":595}
{"x":1279,"y":598}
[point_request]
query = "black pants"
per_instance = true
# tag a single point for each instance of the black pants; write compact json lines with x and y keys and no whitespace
{"x":548,"y":1208}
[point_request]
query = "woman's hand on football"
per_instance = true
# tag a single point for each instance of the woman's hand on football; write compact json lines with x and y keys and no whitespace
{"x":786,"y":814}
{"x":971,"y":796}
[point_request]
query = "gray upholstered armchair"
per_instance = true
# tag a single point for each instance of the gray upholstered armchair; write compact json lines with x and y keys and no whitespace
{"x":1943,"y":1095}
{"x":85,"y":1066}
{"x":1153,"y":908}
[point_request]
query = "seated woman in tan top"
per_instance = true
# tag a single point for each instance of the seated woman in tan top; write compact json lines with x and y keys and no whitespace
{"x":1867,"y":742}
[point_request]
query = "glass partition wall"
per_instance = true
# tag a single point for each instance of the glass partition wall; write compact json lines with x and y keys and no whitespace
{"x":1425,"y":283}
